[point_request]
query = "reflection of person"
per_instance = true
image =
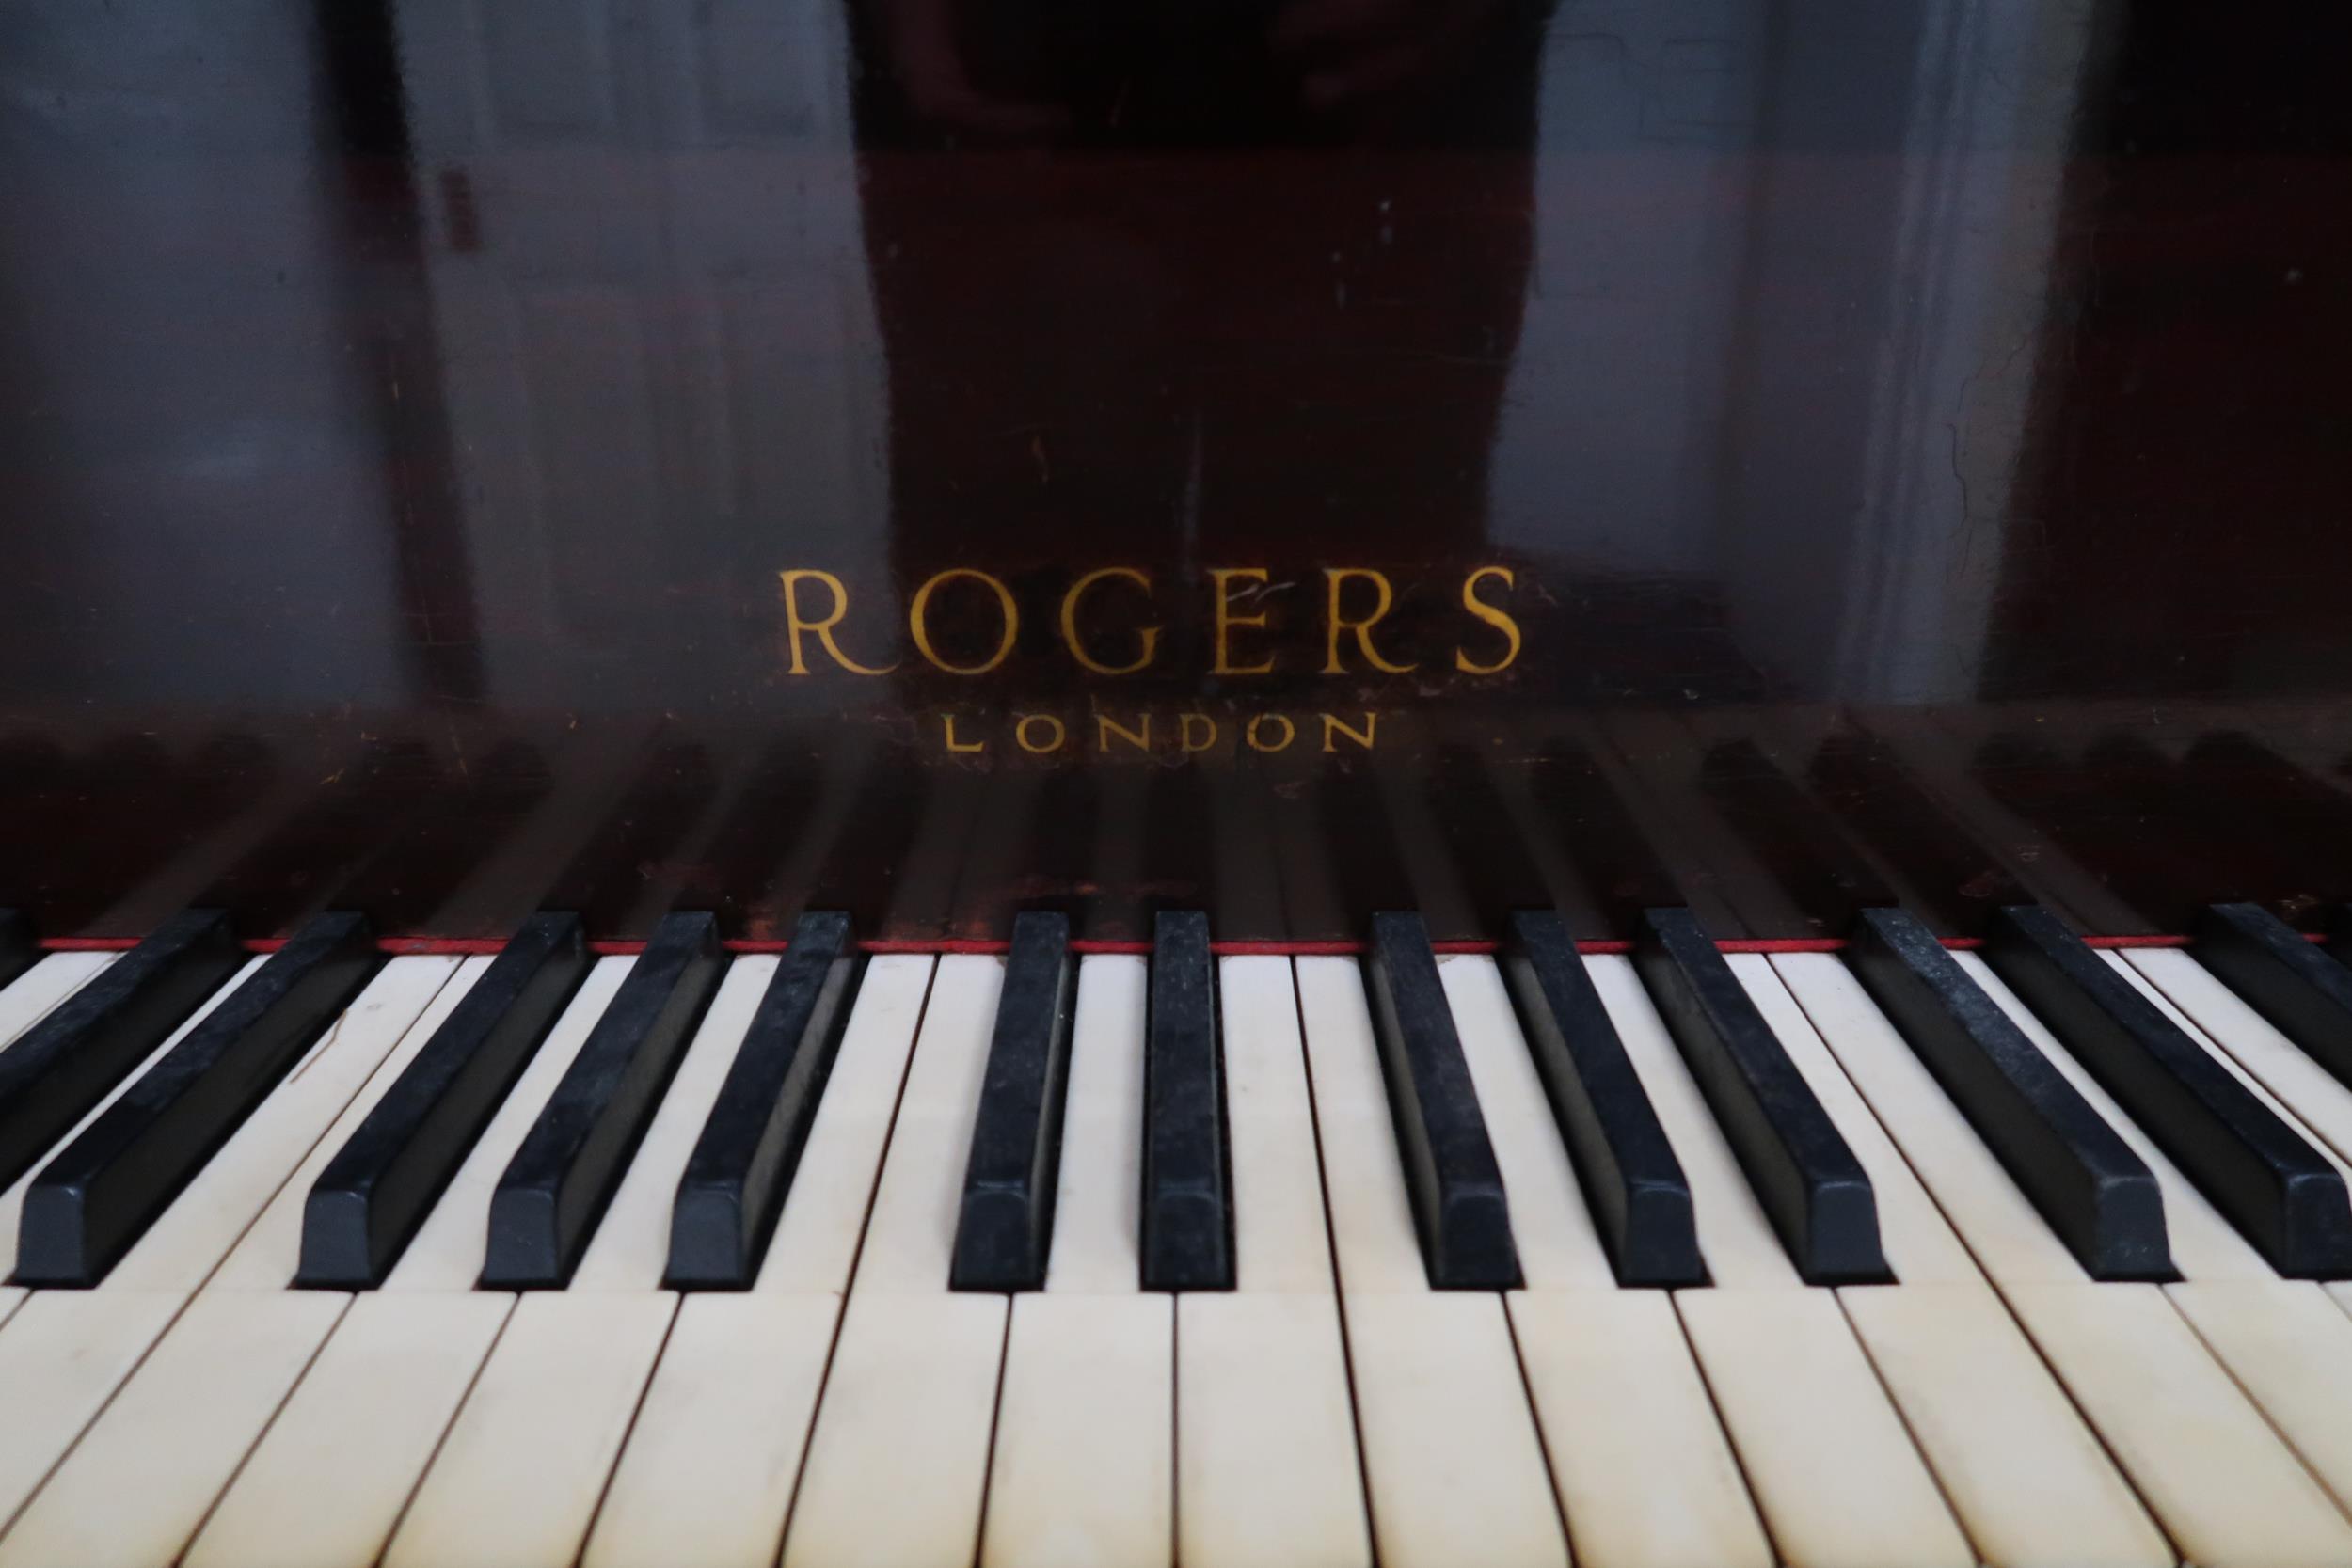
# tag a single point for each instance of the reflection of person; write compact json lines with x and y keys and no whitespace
{"x":1220,"y":282}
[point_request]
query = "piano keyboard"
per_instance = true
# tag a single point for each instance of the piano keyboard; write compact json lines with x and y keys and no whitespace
{"x":2036,"y":1254}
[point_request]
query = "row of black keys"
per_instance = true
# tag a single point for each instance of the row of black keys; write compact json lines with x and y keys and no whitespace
{"x":96,"y":1197}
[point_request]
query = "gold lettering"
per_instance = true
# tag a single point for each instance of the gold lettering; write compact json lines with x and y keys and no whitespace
{"x":1290,"y":732}
{"x":1021,"y":733}
{"x":1184,"y":731}
{"x":794,"y":626}
{"x":1148,"y":637}
{"x":1105,"y":728}
{"x":947,"y":722}
{"x":1332,"y":728}
{"x":916,"y":613}
{"x":1338,"y":577}
{"x":1226,"y":621}
{"x":1494,"y":617}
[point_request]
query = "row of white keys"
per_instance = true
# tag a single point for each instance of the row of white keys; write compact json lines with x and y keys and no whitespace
{"x":2209,"y":1467}
{"x":1083,"y":1468}
{"x":1832,"y":1467}
{"x":64,"y":1353}
{"x":2285,"y":1341}
{"x":1451,"y":1460}
{"x":328,"y":1481}
{"x":1655,"y":1484}
{"x":525,"y":1415}
{"x":2281,"y":1340}
{"x":898,"y":1460}
{"x":520,"y":1476}
{"x":708,"y":1476}
{"x":135,"y":1485}
{"x":1267,"y":1466}
{"x":2026,"y":1478}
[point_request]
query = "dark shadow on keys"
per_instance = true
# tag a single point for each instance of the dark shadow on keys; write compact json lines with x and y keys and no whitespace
{"x":617,"y":876}
{"x":366,"y":802}
{"x":1620,"y":871}
{"x":407,"y":883}
{"x":2124,"y":814}
{"x":1801,"y":848}
{"x":91,"y":835}
{"x":2302,"y":823}
{"x":1946,"y":872}
{"x":734,"y":875}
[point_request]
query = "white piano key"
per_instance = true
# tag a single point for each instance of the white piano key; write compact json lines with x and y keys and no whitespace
{"x":631,"y":1243}
{"x":1450,"y":1449}
{"x":11,"y":1297}
{"x":2204,"y":1245}
{"x":2026,"y":1476}
{"x":1735,"y":1237}
{"x":2217,"y":1476}
{"x":1082,"y":1471}
{"x":1835,"y":1473}
{"x":34,"y":994}
{"x":710,"y":1469}
{"x":1654,"y":1484}
{"x":328,"y":1482}
{"x":1095,"y":1213}
{"x":1456,"y":1473}
{"x":446,"y":1251}
{"x":2000,"y":1226}
{"x":205,"y":1222}
{"x":1280,"y":1241}
{"x":1267,"y":1473}
{"x":266,"y":1256}
{"x":12,"y":1200}
{"x":1371,"y":1219}
{"x":910,"y":1401}
{"x":62,"y":1356}
{"x":912,"y":1235}
{"x":1559,"y":1246}
{"x":1083,"y":1462}
{"x":2030,"y":1481}
{"x":2201,"y":1458}
{"x":2285,"y":1342}
{"x":2229,"y":1063}
{"x":706,"y":1478}
{"x":899,"y":1460}
{"x":2302,"y":1086}
{"x":1919,"y":1244}
{"x":2290,"y":1348}
{"x":833,"y":1189}
{"x":517,"y":1481}
{"x":141,"y":1480}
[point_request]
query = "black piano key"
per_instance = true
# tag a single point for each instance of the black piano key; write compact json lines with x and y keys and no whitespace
{"x":17,"y":950}
{"x":548,"y":1202}
{"x":2266,"y":1177}
{"x":1623,"y":1160}
{"x":1006,"y":1223}
{"x":741,"y":1168}
{"x":2096,"y":1193}
{"x":97,"y":1196}
{"x":1187,"y":1229}
{"x":379,"y":1186}
{"x":1459,"y":1208}
{"x":65,"y":1064}
{"x":2304,"y":991}
{"x":1815,"y":1191}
